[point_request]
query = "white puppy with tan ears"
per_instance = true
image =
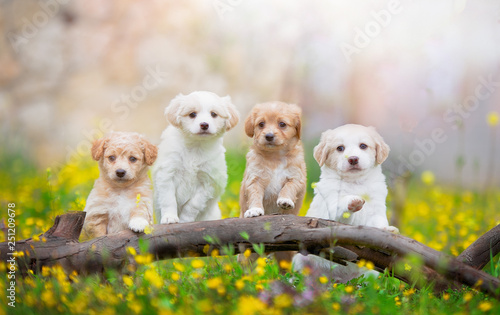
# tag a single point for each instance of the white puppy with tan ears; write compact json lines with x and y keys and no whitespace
{"x":351,"y":189}
{"x":122,"y":195}
{"x":190,"y":174}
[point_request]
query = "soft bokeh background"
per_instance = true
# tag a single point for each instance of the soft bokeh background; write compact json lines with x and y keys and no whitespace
{"x":73,"y":70}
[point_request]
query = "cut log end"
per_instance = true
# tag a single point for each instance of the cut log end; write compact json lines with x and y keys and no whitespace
{"x":68,"y":226}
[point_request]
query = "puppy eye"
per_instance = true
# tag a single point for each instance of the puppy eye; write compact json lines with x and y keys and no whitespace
{"x":363,"y":146}
{"x":214,"y":114}
{"x":132,"y":159}
{"x":193,"y":115}
{"x":282,"y":124}
{"x":111,"y":158}
{"x":340,"y":148}
{"x":261,"y":124}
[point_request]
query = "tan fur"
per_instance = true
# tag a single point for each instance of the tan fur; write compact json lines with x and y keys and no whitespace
{"x":113,"y":201}
{"x":274,"y":172}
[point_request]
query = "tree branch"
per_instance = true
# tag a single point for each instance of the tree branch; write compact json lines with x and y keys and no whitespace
{"x":478,"y":254}
{"x":276,"y":233}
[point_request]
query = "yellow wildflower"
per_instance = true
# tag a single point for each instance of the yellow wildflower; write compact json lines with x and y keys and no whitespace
{"x":485,"y":306}
{"x":214,"y":283}
{"x":286,"y":265}
{"x":283,"y":301}
{"x":148,"y":229}
{"x":247,"y":253}
{"x":128,"y":280}
{"x":336,"y":306}
{"x":349,"y":289}
{"x":468,"y":296}
{"x":153,"y":278}
{"x":428,"y":177}
{"x":446,"y":296}
{"x":240,"y":284}
{"x":144,"y":259}
{"x":131,"y":251}
{"x":173,"y":289}
{"x":197,"y":263}
{"x":492,"y":119}
{"x":227,"y":268}
{"x":179,"y":266}
{"x":323,"y":279}
{"x":175,"y":276}
{"x":369,"y":265}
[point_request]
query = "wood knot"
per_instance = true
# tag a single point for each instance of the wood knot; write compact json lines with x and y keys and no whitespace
{"x":313,"y":223}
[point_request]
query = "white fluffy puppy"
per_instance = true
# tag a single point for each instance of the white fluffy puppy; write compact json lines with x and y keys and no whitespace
{"x":190,"y":174}
{"x":351,"y":189}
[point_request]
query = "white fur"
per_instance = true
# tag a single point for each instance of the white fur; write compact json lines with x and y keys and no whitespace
{"x":190,"y":174}
{"x":355,"y":197}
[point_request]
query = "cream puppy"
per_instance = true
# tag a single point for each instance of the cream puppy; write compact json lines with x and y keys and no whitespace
{"x":352,"y":188}
{"x":275,"y":174}
{"x":122,"y":195}
{"x":191,"y":174}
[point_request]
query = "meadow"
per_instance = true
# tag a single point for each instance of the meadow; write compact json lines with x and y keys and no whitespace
{"x":445,"y":218}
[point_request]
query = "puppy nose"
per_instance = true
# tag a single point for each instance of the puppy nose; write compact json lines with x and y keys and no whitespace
{"x":353,"y":160}
{"x":204,"y":126}
{"x":269,"y":137}
{"x":120,"y":172}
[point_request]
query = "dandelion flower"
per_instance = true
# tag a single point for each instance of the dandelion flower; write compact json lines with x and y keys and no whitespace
{"x":428,"y":177}
{"x":468,"y":296}
{"x":128,"y":281}
{"x":323,"y":279}
{"x":336,"y":306}
{"x":240,"y":284}
{"x":179,"y":267}
{"x":485,"y":306}
{"x":131,"y":251}
{"x":349,"y":289}
{"x":286,"y":265}
{"x":197,"y":263}
{"x":214,"y":283}
{"x":175,"y":276}
{"x":247,"y":253}
{"x":492,"y":119}
{"x":283,"y":301}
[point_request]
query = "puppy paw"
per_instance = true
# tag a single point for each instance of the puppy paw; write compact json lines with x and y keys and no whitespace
{"x":254,"y":212}
{"x":355,"y":204}
{"x":285,"y":203}
{"x":138,"y":224}
{"x":391,"y":229}
{"x":169,"y":220}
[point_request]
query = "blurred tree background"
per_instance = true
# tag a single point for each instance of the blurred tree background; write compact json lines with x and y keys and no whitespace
{"x":425,"y":73}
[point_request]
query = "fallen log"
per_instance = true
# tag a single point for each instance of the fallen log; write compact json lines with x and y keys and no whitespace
{"x":276,"y":233}
{"x":479,"y":253}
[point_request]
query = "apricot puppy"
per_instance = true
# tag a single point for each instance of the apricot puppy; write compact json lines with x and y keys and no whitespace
{"x":275,"y":174}
{"x":122,"y":196}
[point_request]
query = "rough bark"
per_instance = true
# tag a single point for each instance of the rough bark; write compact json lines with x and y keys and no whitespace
{"x":277,"y":233}
{"x":479,"y":253}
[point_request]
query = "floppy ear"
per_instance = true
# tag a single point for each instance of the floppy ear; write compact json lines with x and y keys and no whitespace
{"x":321,"y":152}
{"x":250,"y":124}
{"x":172,"y":110}
{"x":150,"y":152}
{"x":298,"y":120}
{"x":234,"y":116}
{"x":381,"y":148}
{"x":98,"y":147}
